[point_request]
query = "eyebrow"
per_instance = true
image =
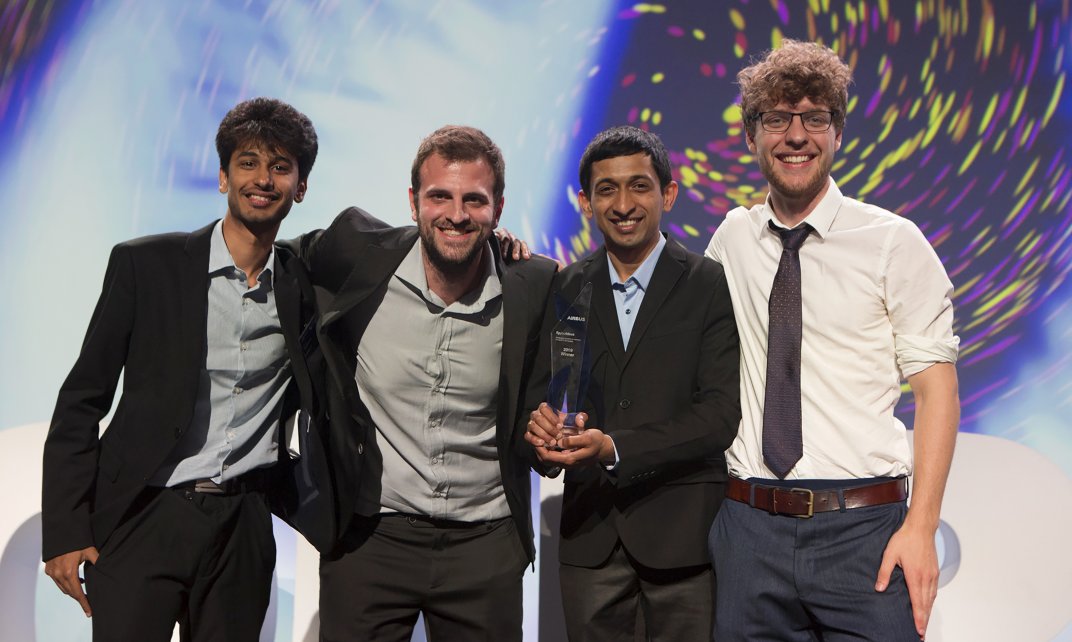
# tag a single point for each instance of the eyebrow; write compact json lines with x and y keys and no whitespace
{"x":251,"y":153}
{"x":628,"y":179}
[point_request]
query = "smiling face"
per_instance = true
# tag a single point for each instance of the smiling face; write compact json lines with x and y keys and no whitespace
{"x":261,"y":186}
{"x":455,"y":211}
{"x":627,"y":205}
{"x":796,"y":163}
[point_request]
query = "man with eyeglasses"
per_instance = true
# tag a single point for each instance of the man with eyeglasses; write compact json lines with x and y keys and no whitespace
{"x":836,"y":301}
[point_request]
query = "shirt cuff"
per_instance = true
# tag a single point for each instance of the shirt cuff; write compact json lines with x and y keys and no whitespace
{"x":916,"y":353}
{"x":613,"y":467}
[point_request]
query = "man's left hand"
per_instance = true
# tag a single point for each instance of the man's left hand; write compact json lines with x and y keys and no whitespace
{"x":588,"y":447}
{"x":913,"y":550}
{"x":511,"y":246}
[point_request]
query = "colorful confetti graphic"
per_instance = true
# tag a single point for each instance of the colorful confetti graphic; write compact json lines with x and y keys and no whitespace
{"x":957,"y":119}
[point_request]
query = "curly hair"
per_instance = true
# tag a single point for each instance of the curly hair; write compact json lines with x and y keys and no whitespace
{"x":273,"y":124}
{"x":460,"y":143}
{"x":791,"y":73}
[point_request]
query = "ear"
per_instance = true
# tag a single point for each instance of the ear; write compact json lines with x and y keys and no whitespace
{"x":223,"y":181}
{"x":412,"y":206}
{"x":299,"y":194}
{"x":586,"y":205}
{"x":669,"y":196}
{"x":498,"y":212}
{"x":750,"y":140}
{"x":837,"y":140}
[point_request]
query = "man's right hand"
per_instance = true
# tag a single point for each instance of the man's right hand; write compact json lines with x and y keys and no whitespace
{"x":544,"y":427}
{"x":63,"y":569}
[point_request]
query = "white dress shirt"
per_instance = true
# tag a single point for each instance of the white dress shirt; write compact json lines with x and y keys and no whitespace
{"x":875,"y":307}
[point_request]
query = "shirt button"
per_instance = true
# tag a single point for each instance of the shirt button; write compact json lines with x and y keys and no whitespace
{"x":236,"y":390}
{"x":244,"y":346}
{"x":624,"y":404}
{"x":226,"y":466}
{"x":435,"y":423}
{"x":628,"y":311}
{"x":435,"y":460}
{"x":361,"y":449}
{"x":230,"y":434}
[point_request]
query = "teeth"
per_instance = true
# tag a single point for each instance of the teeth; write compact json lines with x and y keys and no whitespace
{"x":259,"y":200}
{"x":626,"y":223}
{"x":795,"y":159}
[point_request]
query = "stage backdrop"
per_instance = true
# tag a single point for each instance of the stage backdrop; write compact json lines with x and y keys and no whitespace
{"x":959,"y":119}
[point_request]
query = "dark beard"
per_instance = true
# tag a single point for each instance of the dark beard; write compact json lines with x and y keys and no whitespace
{"x":448,"y":267}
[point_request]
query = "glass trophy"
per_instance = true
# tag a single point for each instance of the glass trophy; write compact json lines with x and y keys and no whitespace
{"x":569,"y":360}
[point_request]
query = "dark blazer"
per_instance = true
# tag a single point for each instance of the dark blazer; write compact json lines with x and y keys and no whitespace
{"x":149,"y":324}
{"x":350,"y":264}
{"x":671,"y":402}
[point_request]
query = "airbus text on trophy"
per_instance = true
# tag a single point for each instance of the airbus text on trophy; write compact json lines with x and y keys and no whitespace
{"x":569,"y":361}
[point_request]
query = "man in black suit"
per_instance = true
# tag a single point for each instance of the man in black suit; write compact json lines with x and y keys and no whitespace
{"x":428,"y":338}
{"x":168,"y":507}
{"x":645,"y":475}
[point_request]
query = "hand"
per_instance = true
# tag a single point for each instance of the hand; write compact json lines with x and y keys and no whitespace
{"x":511,"y":246}
{"x":63,"y":569}
{"x":545,"y":427}
{"x":913,"y":550}
{"x":587,"y":447}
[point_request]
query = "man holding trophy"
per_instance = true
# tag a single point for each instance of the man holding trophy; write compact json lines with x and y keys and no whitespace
{"x":643,"y":335}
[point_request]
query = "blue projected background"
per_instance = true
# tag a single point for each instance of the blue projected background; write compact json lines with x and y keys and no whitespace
{"x":959,"y":119}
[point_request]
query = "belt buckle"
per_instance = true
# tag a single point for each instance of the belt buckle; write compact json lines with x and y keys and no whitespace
{"x":208,"y":487}
{"x":811,"y":502}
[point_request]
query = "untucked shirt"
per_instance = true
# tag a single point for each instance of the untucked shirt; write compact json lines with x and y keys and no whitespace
{"x":242,"y":382}
{"x":876,"y":308}
{"x":429,"y":375}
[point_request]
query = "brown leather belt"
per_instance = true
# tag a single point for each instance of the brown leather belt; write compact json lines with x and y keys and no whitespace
{"x":802,"y":502}
{"x":255,"y":480}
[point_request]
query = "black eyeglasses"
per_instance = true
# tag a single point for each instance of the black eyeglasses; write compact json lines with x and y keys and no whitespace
{"x":777,"y":122}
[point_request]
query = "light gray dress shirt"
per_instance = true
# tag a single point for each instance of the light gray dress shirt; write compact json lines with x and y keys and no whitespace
{"x":429,"y":375}
{"x":629,"y":295}
{"x":246,"y":372}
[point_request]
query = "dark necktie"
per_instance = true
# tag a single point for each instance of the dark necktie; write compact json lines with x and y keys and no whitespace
{"x":782,"y":443}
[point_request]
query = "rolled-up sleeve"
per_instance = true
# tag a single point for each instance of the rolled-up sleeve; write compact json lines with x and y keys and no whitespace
{"x":918,"y":299}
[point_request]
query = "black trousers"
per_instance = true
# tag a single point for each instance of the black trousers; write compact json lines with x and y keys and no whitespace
{"x":204,"y":561}
{"x":464,"y":578}
{"x":624,"y":600}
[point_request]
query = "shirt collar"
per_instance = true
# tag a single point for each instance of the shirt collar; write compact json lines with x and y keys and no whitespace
{"x":642,"y":275}
{"x":821,"y":218}
{"x":411,"y":272}
{"x":219,"y":257}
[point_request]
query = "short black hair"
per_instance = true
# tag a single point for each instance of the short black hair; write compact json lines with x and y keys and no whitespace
{"x":271,"y":123}
{"x":625,"y":141}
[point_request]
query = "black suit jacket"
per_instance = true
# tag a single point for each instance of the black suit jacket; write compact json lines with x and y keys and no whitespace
{"x":671,"y":402}
{"x":350,"y":264}
{"x":149,"y":324}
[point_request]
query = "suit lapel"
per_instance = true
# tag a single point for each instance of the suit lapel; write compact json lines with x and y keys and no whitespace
{"x":376,"y":264}
{"x":372,"y":266}
{"x":668,"y":271}
{"x":515,"y":335}
{"x":193,"y":293}
{"x":604,"y":316}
